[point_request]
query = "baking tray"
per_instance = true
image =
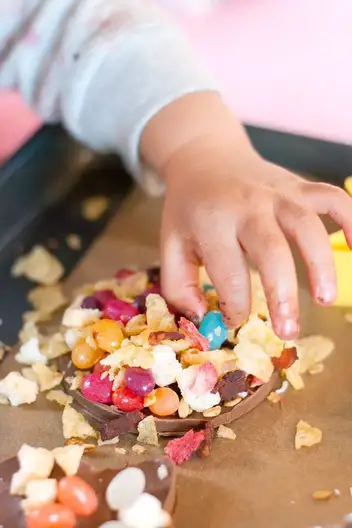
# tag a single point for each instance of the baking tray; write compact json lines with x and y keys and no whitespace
{"x":42,"y":186}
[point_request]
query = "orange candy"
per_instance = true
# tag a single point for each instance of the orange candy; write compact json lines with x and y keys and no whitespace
{"x":84,"y":356}
{"x":76,"y":494}
{"x":167,"y":402}
{"x":107,"y":334}
{"x":51,"y":516}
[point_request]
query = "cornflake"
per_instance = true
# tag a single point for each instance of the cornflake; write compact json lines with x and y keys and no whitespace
{"x":78,"y":317}
{"x":39,"y":266}
{"x":306,"y":435}
{"x":313,"y":350}
{"x":261,"y":333}
{"x":47,"y":299}
{"x":293,"y":375}
{"x":252,"y":359}
{"x":28,"y":373}
{"x":219,"y":358}
{"x":94,"y":207}
{"x":59,"y":396}
{"x":18,"y":390}
{"x":130,"y":355}
{"x":226,"y":432}
{"x":75,"y":425}
{"x":35,"y":463}
{"x":274,"y":398}
{"x":76,"y":382}
{"x":135,"y":325}
{"x":159,"y":319}
{"x":28,"y":331}
{"x":54,"y":346}
{"x":112,"y":441}
{"x":46,"y":378}
{"x":147,"y":432}
{"x":30,"y":353}
{"x":138,"y":449}
{"x":120,"y":450}
{"x":69,"y":458}
{"x":39,"y":493}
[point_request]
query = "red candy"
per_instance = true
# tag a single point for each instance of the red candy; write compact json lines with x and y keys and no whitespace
{"x":126,"y":400}
{"x":78,"y":495}
{"x":51,"y":516}
{"x":99,"y":368}
{"x":205,"y":380}
{"x":286,"y":360}
{"x":118,"y":310}
{"x":124,"y":274}
{"x":191,"y":331}
{"x":103,"y":297}
{"x":181,"y":449}
{"x":96,"y":389}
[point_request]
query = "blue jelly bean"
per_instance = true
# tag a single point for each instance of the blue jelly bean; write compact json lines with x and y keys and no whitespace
{"x":212,"y":327}
{"x":208,"y":287}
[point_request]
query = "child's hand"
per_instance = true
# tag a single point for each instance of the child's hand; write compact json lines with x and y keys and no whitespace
{"x":223,"y":203}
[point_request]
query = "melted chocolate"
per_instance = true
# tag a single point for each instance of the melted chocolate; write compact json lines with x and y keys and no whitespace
{"x":12,"y":516}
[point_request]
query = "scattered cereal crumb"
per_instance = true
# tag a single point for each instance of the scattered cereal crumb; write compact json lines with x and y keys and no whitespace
{"x":75,"y":425}
{"x":46,"y":378}
{"x":18,"y":390}
{"x":274,"y":397}
{"x":59,"y":396}
{"x":306,"y":435}
{"x":138,"y":449}
{"x":94,"y":207}
{"x":69,"y":458}
{"x":321,"y":495}
{"x":120,"y":450}
{"x":74,"y":242}
{"x":47,"y":299}
{"x":39,"y":266}
{"x":226,"y":432}
{"x":112,"y":441}
{"x":163,"y":472}
{"x":147,"y":431}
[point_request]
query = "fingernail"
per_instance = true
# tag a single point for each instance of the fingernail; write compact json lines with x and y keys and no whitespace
{"x":326,"y":293}
{"x":290,"y":329}
{"x":195,"y":319}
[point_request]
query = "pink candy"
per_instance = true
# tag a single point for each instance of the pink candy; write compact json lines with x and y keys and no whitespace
{"x":118,"y":310}
{"x":205,"y":379}
{"x":96,"y":389}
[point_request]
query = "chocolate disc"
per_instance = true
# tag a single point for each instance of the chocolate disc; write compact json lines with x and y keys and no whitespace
{"x":12,"y":516}
{"x":98,"y":414}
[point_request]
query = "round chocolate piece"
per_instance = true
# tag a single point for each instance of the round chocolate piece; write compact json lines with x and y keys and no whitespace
{"x":98,"y":414}
{"x":12,"y":516}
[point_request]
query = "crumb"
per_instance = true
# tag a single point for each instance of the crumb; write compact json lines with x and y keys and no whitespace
{"x":94,"y":207}
{"x":74,"y":242}
{"x":306,"y":435}
{"x":147,"y":432}
{"x":163,"y":472}
{"x":120,"y":450}
{"x":321,"y":495}
{"x":226,"y":432}
{"x":39,"y":266}
{"x":138,"y":449}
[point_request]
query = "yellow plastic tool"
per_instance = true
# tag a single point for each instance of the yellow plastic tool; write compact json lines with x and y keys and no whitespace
{"x":343,"y":261}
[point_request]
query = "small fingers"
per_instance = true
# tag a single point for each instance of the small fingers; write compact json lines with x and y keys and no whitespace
{"x":267,"y":247}
{"x":307,"y":230}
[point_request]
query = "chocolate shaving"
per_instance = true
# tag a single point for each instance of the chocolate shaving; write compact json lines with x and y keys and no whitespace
{"x":126,"y":423}
{"x":205,"y":447}
{"x":231,"y":384}
{"x":155,"y":338}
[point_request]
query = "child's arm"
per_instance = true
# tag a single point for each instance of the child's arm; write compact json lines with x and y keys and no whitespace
{"x":102,"y":67}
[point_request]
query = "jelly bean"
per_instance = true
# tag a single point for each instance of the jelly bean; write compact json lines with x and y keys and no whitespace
{"x":103,"y":297}
{"x":167,"y":402}
{"x":96,"y":389}
{"x":107,"y":334}
{"x":99,"y":368}
{"x":91,"y":303}
{"x":51,"y":516}
{"x":126,"y":400}
{"x":212,"y":327}
{"x":84,"y":356}
{"x":140,"y":381}
{"x":118,"y":310}
{"x":78,"y":495}
{"x":124,"y":273}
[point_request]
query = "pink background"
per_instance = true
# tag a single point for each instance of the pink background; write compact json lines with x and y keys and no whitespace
{"x":284,"y":64}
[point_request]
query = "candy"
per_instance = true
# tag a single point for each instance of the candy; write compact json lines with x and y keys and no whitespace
{"x":286,"y":360}
{"x":212,"y":327}
{"x":124,"y":273}
{"x":205,"y":379}
{"x":91,"y":303}
{"x":77,"y":495}
{"x":96,"y":389}
{"x":107,"y":334}
{"x":51,"y":516}
{"x":181,"y":449}
{"x":140,"y":381}
{"x":167,"y":402}
{"x":85,"y":356}
{"x":126,"y":400}
{"x":118,"y":310}
{"x":197,"y":340}
{"x":125,"y":488}
{"x":99,"y":368}
{"x":104,"y":296}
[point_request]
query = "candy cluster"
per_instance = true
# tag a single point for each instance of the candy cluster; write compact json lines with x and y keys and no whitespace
{"x":138,"y":353}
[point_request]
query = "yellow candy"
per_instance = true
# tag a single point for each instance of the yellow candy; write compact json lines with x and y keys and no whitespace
{"x":348,"y":185}
{"x":343,"y":265}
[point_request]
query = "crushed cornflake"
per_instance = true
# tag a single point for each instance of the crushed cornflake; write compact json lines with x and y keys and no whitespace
{"x":59,"y":396}
{"x":138,"y":449}
{"x":30,"y":352}
{"x":18,"y":390}
{"x":159,"y":319}
{"x":147,"y":433}
{"x":68,"y":458}
{"x":313,"y":350}
{"x":130,"y":355}
{"x":253,"y":360}
{"x":46,"y":378}
{"x":274,"y":397}
{"x":293,"y":375}
{"x":260,"y":332}
{"x":54,"y":346}
{"x":322,"y":495}
{"x":39,"y":266}
{"x":78,"y":317}
{"x":34,"y":464}
{"x":76,"y":381}
{"x":94,"y":207}
{"x":120,"y":450}
{"x":28,"y":373}
{"x":111,"y":441}
{"x":47,"y":299}
{"x":39,"y":493}
{"x":75,"y":425}
{"x":306,"y":435}
{"x":74,"y":242}
{"x":226,"y":432}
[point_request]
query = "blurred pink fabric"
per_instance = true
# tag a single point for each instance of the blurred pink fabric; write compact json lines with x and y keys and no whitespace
{"x":283,"y":64}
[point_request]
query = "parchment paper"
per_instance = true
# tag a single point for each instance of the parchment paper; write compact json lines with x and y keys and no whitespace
{"x":258,"y":480}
